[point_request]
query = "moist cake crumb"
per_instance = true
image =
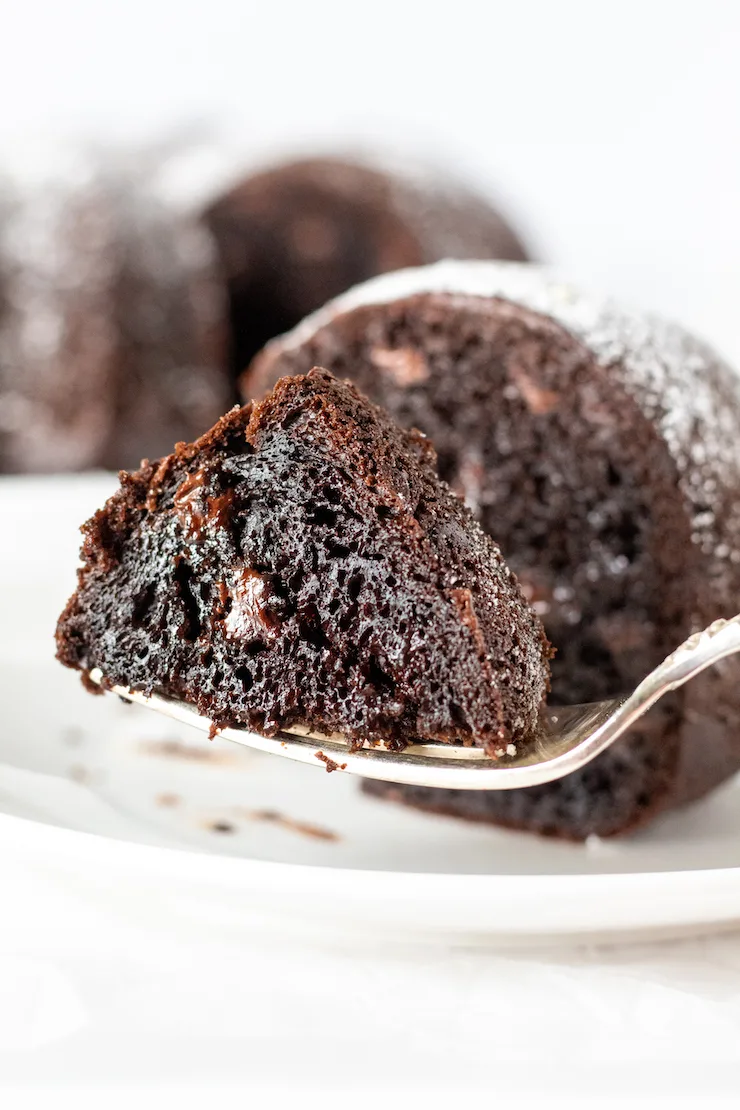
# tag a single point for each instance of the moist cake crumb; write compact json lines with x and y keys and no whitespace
{"x":322,"y":575}
{"x":331,"y":764}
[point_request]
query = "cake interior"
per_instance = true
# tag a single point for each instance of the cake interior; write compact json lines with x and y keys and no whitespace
{"x":302,"y":564}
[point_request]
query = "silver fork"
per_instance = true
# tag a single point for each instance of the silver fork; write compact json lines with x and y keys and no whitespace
{"x":570,"y":738}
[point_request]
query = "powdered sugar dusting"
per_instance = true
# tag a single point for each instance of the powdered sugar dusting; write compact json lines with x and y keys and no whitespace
{"x":56,"y":276}
{"x":99,"y":268}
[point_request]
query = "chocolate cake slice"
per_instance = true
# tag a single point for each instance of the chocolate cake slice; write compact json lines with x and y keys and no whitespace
{"x":600,"y":447}
{"x":294,"y":235}
{"x":302,"y":563}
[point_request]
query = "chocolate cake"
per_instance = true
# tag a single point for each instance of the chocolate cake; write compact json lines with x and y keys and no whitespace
{"x":600,"y":447}
{"x":293,"y":236}
{"x":302,"y":563}
{"x":115,"y":302}
{"x":112,"y":322}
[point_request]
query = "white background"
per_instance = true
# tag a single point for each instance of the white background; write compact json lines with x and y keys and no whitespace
{"x":609,"y":129}
{"x":610,"y":132}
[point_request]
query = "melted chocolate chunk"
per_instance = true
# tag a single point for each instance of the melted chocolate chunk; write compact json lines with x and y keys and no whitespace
{"x":188,"y":500}
{"x":249,"y":617}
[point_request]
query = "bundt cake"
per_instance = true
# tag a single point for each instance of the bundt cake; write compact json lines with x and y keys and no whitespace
{"x":293,"y":236}
{"x":600,"y":448}
{"x":302,"y":563}
{"x":112,"y":321}
{"x":115,"y":303}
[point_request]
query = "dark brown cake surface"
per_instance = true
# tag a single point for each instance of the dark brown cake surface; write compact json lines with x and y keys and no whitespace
{"x":112,"y":322}
{"x":600,"y":448}
{"x":293,"y":236}
{"x":302,"y":563}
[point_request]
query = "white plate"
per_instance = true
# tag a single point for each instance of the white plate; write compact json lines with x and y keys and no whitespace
{"x":99,"y":794}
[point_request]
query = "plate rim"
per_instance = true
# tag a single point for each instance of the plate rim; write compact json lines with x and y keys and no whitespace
{"x":502,"y":898}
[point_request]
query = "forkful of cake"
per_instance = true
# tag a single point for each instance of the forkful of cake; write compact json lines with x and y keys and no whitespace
{"x":299,"y":580}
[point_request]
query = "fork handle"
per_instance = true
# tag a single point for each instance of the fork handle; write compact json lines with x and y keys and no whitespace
{"x":701,"y":650}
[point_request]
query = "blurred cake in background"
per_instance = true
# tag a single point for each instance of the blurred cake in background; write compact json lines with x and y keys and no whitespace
{"x":295,"y":235}
{"x":116,"y":301}
{"x":112,"y":320}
